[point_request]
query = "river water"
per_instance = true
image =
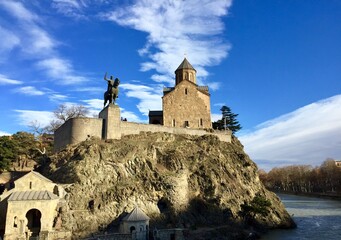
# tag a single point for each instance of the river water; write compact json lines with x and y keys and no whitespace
{"x":316,"y":218}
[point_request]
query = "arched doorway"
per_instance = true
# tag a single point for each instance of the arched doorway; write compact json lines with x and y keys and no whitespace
{"x":33,"y":221}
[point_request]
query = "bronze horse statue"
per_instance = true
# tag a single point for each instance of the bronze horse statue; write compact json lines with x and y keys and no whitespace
{"x":112,"y":92}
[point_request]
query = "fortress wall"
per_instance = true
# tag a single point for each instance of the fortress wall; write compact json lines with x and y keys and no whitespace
{"x":76,"y":130}
{"x":224,"y":136}
{"x":128,"y":128}
{"x":109,"y":126}
{"x":62,"y":136}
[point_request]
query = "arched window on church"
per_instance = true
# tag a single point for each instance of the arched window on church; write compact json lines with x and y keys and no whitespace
{"x":15,"y":222}
{"x":186,"y":76}
{"x":186,"y":91}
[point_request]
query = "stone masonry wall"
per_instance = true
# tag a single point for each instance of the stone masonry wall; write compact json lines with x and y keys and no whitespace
{"x":186,"y":103}
{"x":76,"y":130}
{"x":19,"y":209}
{"x":129,"y":128}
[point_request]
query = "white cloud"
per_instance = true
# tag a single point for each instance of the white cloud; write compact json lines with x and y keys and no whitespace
{"x":57,"y":97}
{"x":2,"y":133}
{"x":70,"y":8}
{"x":29,"y":90}
{"x":4,"y":80}
{"x":215,"y":117}
{"x":174,"y":29}
{"x":306,"y":136}
{"x":60,"y":69}
{"x":8,"y":40}
{"x":38,"y":45}
{"x":19,"y":11}
{"x":214,"y":85}
{"x":150,"y":97}
{"x":219,"y":104}
{"x":94,"y":105}
{"x":26,"y":117}
{"x":130,"y":116}
{"x":162,"y":78}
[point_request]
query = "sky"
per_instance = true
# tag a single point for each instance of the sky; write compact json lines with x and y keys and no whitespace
{"x":276,"y":63}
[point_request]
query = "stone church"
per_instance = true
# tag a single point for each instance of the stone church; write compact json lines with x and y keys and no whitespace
{"x":30,"y":206}
{"x":186,"y":104}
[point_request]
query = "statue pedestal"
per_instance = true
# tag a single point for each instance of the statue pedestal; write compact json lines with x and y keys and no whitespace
{"x":111,"y":116}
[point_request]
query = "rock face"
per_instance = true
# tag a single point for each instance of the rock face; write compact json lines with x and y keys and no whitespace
{"x":178,"y":181}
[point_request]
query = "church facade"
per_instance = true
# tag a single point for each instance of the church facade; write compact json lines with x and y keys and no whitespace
{"x":186,"y":104}
{"x":31,"y":206}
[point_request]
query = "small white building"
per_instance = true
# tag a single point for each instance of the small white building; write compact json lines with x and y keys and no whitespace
{"x":30,"y":206}
{"x":136,"y":223}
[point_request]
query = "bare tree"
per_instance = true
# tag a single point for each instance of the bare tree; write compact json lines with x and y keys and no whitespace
{"x":64,"y":113}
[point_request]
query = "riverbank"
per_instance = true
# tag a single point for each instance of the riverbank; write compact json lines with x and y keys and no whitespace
{"x":332,"y":196}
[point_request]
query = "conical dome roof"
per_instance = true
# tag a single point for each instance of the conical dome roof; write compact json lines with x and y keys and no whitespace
{"x":185,"y":65}
{"x":136,"y":215}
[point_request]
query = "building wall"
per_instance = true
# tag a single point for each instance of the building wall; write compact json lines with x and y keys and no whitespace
{"x":128,"y":128}
{"x":31,"y":182}
{"x":166,"y":234}
{"x":13,"y":213}
{"x":186,"y":103}
{"x":76,"y":130}
{"x":19,"y":209}
{"x":79,"y":129}
{"x":141,"y":229}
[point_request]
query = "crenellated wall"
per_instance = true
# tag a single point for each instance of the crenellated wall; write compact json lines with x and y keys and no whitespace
{"x":110,"y":126}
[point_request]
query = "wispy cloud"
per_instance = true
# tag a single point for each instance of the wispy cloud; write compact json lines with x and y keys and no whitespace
{"x":130,"y":116}
{"x":26,"y":117}
{"x":29,"y":90}
{"x":306,"y":136}
{"x":8,"y":41}
{"x":150,"y":97}
{"x":60,"y":69}
{"x":71,"y":8}
{"x":37,"y":44}
{"x":4,"y":80}
{"x":94,"y":106}
{"x":175,"y":29}
{"x":57,"y":97}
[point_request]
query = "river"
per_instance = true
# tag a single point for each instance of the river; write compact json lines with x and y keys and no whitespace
{"x":316,"y":218}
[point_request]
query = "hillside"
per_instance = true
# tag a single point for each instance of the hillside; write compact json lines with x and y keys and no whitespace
{"x":178,"y":181}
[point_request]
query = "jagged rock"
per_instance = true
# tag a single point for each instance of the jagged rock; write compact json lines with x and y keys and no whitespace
{"x":178,"y":181}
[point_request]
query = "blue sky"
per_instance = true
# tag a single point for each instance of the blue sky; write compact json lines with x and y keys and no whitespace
{"x":277,"y":63}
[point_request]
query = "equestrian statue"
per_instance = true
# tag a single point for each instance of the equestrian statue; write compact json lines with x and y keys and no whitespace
{"x":112,"y":91}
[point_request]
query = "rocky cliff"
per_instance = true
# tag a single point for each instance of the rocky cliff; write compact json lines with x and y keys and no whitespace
{"x":177,"y":180}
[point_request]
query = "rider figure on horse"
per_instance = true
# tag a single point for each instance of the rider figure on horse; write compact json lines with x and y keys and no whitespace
{"x":112,"y":91}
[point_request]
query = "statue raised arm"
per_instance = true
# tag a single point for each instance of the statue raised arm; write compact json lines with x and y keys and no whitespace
{"x":112,"y":91}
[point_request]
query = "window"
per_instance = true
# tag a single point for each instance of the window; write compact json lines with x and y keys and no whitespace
{"x":173,"y":123}
{"x":15,"y":222}
{"x":30,"y":185}
{"x":186,"y":124}
{"x":201,"y":123}
{"x":186,"y":91}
